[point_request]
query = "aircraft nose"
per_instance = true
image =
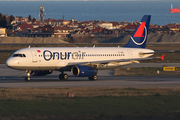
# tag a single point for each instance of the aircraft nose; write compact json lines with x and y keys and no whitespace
{"x":10,"y":62}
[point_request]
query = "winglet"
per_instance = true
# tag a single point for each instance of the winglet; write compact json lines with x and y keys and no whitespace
{"x":162,"y":57}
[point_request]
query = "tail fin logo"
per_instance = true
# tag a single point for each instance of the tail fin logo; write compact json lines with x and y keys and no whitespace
{"x":139,"y":33}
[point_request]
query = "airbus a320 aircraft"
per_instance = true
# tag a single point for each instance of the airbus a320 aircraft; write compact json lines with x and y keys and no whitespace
{"x":82,"y":61}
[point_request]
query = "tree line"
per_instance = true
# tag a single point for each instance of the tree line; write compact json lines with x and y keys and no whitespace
{"x":3,"y":21}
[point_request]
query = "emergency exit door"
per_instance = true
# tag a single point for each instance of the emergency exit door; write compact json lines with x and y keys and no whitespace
{"x":130,"y":54}
{"x":34,"y":56}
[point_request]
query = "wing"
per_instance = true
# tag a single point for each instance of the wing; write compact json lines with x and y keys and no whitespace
{"x":136,"y":60}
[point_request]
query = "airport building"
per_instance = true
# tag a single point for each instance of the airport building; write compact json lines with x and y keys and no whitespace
{"x":3,"y":32}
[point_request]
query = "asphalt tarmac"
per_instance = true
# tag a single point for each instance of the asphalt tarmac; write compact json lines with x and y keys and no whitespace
{"x":15,"y":78}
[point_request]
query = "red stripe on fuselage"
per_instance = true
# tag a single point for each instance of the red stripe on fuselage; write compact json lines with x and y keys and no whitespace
{"x":140,"y":30}
{"x":38,"y":51}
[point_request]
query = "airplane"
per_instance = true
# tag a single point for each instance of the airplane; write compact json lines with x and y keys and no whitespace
{"x":82,"y":61}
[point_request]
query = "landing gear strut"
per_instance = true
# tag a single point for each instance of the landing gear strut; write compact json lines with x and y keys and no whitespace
{"x":63,"y":76}
{"x":27,"y":78}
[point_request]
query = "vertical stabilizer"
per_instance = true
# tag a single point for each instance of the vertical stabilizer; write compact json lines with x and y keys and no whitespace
{"x":139,"y":38}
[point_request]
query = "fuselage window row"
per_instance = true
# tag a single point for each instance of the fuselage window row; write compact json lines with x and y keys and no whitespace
{"x":98,"y":55}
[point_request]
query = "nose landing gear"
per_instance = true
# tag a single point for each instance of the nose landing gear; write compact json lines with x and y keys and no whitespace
{"x":27,"y":78}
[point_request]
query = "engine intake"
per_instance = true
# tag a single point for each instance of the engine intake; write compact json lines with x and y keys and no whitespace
{"x":83,"y":71}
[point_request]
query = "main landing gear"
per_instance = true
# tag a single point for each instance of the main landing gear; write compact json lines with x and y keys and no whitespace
{"x":93,"y":78}
{"x":63,"y":76}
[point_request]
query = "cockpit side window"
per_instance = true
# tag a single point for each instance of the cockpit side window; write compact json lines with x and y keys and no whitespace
{"x":15,"y":55}
{"x":19,"y":55}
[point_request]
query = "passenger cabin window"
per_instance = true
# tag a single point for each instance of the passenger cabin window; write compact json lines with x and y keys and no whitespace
{"x":19,"y":55}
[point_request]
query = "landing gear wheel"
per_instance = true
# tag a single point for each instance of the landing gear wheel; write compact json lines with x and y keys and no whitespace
{"x":60,"y":76}
{"x":93,"y":78}
{"x":27,"y":78}
{"x":63,"y":76}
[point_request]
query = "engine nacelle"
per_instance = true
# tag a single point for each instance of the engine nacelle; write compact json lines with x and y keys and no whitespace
{"x":83,"y":71}
{"x":40,"y":73}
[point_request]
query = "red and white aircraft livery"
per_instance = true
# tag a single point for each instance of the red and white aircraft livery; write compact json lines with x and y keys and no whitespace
{"x":82,"y":61}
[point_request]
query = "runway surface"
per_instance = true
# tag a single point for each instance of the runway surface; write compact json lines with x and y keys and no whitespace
{"x":15,"y":78}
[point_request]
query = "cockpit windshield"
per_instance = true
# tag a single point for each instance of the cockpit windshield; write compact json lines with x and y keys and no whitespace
{"x":19,"y":55}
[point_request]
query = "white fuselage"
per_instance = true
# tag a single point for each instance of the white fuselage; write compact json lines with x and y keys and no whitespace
{"x":54,"y":58}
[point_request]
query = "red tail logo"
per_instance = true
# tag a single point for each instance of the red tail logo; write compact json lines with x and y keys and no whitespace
{"x":140,"y":30}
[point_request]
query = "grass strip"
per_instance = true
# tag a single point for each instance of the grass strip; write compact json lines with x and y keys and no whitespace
{"x":102,"y":108}
{"x":143,"y":71}
{"x":58,"y":93}
{"x":89,"y":103}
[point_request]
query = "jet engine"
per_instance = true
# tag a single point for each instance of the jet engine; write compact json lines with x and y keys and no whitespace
{"x":83,"y":71}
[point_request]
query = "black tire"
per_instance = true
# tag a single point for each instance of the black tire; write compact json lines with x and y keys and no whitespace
{"x":27,"y":78}
{"x":63,"y":76}
{"x":90,"y":77}
{"x":93,"y":78}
